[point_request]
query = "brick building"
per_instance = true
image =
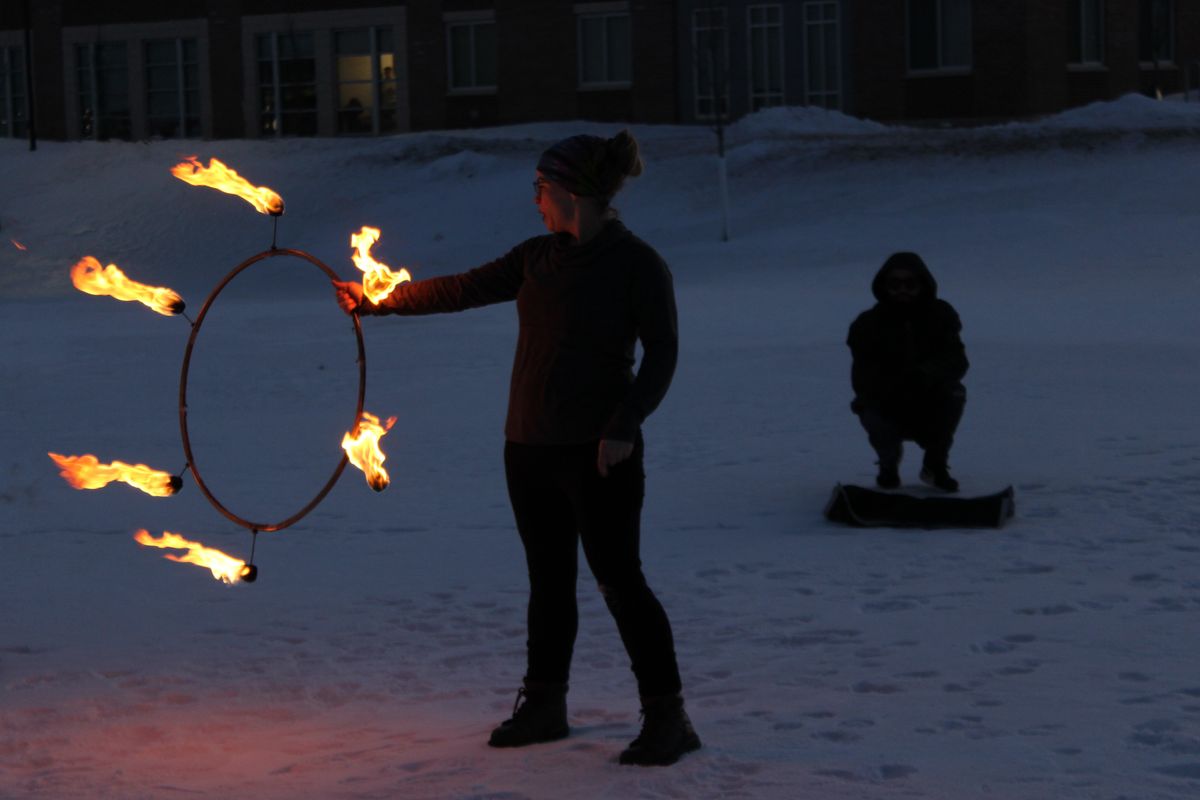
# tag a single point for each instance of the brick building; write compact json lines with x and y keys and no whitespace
{"x":138,"y":69}
{"x":931,"y":59}
{"x":232,"y":68}
{"x":995,"y":59}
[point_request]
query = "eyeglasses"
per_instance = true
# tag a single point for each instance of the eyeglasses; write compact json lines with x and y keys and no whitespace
{"x":538,"y":186}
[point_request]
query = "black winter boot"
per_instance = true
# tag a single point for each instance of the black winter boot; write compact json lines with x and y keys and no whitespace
{"x":938,"y":476}
{"x":541,"y":718}
{"x":666,"y":735}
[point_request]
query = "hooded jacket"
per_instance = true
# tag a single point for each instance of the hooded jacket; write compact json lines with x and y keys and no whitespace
{"x":905,"y":352}
{"x":581,"y":310}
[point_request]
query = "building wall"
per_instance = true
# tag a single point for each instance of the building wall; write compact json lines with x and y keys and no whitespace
{"x":225,"y":68}
{"x":879,"y":58}
{"x":1171,"y":79}
{"x":1019,"y":66}
{"x":655,"y":60}
{"x":131,"y":33}
{"x":1004,"y":46}
{"x":537,"y":69}
{"x":1122,"y":71}
{"x":536,"y":78}
{"x":539,"y":63}
{"x":322,"y":25}
{"x":224,"y":30}
{"x":431,"y":107}
{"x":1020,"y":61}
{"x":1188,"y":23}
{"x":737,"y":77}
{"x":45,"y":23}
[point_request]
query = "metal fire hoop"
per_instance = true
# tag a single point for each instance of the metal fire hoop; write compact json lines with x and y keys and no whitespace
{"x":255,"y":527}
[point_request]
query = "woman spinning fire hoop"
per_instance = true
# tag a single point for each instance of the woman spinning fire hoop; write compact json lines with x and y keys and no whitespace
{"x":585,"y":295}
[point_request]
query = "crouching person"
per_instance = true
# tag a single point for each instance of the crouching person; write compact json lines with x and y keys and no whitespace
{"x":908,"y":365}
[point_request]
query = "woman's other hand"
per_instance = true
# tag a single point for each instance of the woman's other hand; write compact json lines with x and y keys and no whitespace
{"x":612,"y":453}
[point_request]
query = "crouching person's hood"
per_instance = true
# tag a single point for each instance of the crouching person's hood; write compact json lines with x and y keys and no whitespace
{"x":911,"y":262}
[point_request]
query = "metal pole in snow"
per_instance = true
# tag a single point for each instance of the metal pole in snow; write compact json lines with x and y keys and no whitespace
{"x":723,"y":184}
{"x":720,"y":99}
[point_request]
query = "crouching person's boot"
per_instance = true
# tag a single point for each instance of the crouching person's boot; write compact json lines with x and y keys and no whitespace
{"x":539,"y":715}
{"x":667,"y":733}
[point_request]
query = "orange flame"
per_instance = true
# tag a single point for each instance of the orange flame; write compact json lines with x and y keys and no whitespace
{"x":88,"y":276}
{"x":223,"y":179}
{"x":362,"y":447}
{"x":378,"y":279}
{"x":223,"y":567}
{"x":86,"y":472}
{"x":18,"y":245}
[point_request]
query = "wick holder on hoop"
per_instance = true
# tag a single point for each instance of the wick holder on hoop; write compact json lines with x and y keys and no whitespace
{"x":183,"y":382}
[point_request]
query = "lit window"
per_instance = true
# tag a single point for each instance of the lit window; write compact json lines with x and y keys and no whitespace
{"x":366,"y":76}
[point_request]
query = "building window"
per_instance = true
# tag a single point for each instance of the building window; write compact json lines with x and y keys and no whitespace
{"x":287,"y":88}
{"x":366,"y":78}
{"x":13,"y":111}
{"x":939,"y":34}
{"x":765,"y":31}
{"x":710,"y":45}
{"x":172,"y":88}
{"x":605,"y":56}
{"x":103,"y":72}
{"x":1156,"y":31}
{"x":822,"y":45}
{"x":1086,"y":26}
{"x":471,"y":50}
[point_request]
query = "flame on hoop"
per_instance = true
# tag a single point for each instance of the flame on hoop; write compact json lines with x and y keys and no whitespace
{"x":362,"y":448}
{"x":378,"y":279}
{"x":88,"y":276}
{"x":223,"y":567}
{"x":86,"y":472}
{"x":220,"y":177}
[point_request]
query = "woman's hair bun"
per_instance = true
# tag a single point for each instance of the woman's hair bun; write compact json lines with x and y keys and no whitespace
{"x":623,"y":150}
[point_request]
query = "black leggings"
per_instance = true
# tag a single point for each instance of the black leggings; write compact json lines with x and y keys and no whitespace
{"x":559,"y":499}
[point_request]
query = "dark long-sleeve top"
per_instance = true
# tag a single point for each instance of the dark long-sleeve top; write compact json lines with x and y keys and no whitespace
{"x":902,"y":355}
{"x":581,"y":309}
{"x":905,"y":352}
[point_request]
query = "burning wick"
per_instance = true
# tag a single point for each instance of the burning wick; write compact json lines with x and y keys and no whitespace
{"x":223,"y":567}
{"x":86,"y":472}
{"x":88,"y":276}
{"x":378,"y":279}
{"x":18,"y":245}
{"x":220,"y":177}
{"x":362,"y":447}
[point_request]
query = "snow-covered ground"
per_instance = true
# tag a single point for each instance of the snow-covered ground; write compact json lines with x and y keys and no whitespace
{"x":1055,"y":658}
